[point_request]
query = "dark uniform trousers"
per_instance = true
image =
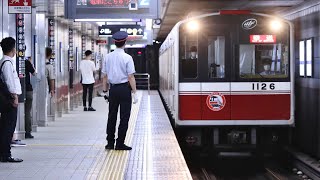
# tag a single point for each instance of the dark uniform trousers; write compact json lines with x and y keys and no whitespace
{"x":120,"y":94}
{"x":8,"y":123}
{"x":27,"y":108}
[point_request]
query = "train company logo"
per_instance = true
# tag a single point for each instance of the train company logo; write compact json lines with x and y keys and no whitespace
{"x":216,"y":101}
{"x":249,"y":24}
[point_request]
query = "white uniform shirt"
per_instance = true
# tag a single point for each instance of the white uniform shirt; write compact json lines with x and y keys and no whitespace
{"x":118,"y":65}
{"x":87,"y":68}
{"x":10,"y":76}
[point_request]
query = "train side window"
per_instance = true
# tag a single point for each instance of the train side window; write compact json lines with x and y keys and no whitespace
{"x":188,"y":53}
{"x":216,"y":56}
{"x":263,"y":61}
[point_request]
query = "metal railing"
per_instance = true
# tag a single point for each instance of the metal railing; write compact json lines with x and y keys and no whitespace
{"x":143,"y":80}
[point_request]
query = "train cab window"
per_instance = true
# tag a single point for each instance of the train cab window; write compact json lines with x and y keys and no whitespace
{"x":188,"y":54}
{"x":216,"y":56}
{"x":263,"y":61}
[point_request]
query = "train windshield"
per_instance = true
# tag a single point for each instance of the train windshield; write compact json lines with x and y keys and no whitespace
{"x":233,"y":48}
{"x":263,"y":61}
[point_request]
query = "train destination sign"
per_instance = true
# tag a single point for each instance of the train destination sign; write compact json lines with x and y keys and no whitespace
{"x":132,"y":30}
{"x":263,"y":39}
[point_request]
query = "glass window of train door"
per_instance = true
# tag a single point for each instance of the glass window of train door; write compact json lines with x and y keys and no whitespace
{"x":188,"y":54}
{"x":216,"y":57}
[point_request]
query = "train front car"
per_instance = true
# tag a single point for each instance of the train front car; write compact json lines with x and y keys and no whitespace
{"x":235,"y":85}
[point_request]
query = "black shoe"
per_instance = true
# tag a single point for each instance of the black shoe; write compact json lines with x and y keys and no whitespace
{"x":17,"y":143}
{"x":123,"y":147}
{"x":91,"y":109}
{"x":28,"y":136}
{"x":85,"y":109}
{"x":10,"y":159}
{"x":109,"y":146}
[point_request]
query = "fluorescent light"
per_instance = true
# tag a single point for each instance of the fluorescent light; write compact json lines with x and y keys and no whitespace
{"x":121,"y":23}
{"x":101,"y":23}
{"x":105,"y":20}
{"x":135,"y":46}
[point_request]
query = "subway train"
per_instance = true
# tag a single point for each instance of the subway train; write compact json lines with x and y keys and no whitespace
{"x":227,"y":80}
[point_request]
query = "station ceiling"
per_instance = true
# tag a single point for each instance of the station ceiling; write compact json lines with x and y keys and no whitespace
{"x":55,"y":8}
{"x":176,"y":10}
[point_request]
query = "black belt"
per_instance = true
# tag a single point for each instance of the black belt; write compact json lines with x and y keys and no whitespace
{"x":126,"y":83}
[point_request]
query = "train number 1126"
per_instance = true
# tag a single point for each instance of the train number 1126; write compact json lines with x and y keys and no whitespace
{"x":263,"y":86}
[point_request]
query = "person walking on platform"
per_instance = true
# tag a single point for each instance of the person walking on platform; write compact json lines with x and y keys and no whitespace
{"x":118,"y":68}
{"x":87,"y":68}
{"x":50,"y":73}
{"x":29,"y":97}
{"x":8,"y":118}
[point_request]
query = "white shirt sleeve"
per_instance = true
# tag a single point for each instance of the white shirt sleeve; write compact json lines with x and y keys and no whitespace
{"x":93,"y":67}
{"x":130,"y":66}
{"x":103,"y":64}
{"x":11,"y":78}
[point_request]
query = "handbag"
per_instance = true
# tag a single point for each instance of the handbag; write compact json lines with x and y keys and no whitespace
{"x":6,"y":99}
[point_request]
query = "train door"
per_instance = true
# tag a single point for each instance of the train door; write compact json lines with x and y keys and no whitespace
{"x":215,"y":72}
{"x":190,"y":106}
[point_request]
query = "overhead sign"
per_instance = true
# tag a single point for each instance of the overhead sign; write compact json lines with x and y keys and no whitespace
{"x":111,"y":3}
{"x":116,"y":9}
{"x":263,"y":39}
{"x":132,"y":30}
{"x":20,"y":6}
{"x":101,"y":42}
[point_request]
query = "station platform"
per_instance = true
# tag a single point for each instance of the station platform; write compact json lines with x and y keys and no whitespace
{"x":72,"y":147}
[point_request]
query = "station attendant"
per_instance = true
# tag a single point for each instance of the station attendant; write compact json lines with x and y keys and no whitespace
{"x":118,"y":69}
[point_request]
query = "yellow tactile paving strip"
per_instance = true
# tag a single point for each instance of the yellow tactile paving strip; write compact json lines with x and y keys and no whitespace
{"x":114,"y":162}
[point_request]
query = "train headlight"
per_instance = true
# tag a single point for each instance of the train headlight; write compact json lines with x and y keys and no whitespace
{"x":276,"y":25}
{"x":193,"y":26}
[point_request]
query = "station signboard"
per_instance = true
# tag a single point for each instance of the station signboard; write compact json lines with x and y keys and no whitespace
{"x":51,"y":39}
{"x":20,"y":46}
{"x":71,"y":57}
{"x":83,"y":46}
{"x":20,"y":6}
{"x":132,"y":30}
{"x":20,"y":57}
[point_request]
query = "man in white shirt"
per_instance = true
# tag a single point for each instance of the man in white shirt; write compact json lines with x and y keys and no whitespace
{"x":87,"y":68}
{"x":119,"y":70}
{"x":8,"y":119}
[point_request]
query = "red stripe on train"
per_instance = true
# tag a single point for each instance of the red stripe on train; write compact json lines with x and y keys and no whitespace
{"x":237,"y":107}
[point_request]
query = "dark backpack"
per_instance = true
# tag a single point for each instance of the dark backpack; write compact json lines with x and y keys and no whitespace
{"x":6,"y":99}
